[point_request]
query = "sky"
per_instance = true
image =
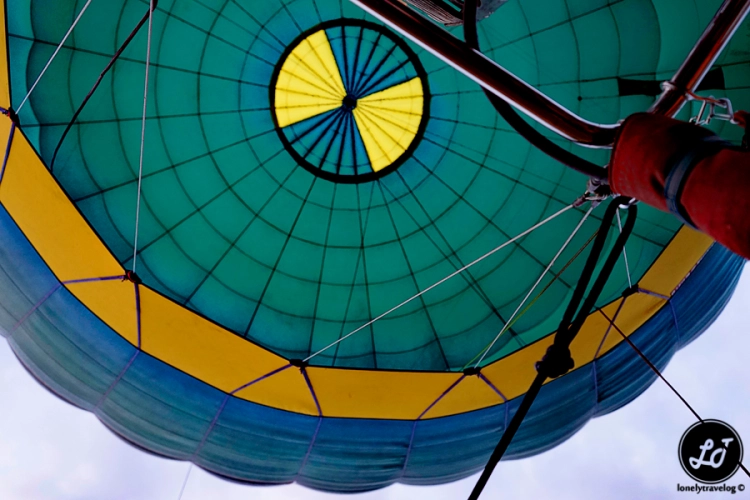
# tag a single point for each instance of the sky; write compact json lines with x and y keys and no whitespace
{"x":51,"y":450}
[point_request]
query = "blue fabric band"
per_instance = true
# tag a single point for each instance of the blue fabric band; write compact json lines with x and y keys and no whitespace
{"x":678,"y":176}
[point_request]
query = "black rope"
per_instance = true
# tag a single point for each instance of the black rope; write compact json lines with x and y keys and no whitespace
{"x":99,"y":81}
{"x":658,"y":372}
{"x":526,"y":130}
{"x":557,"y":361}
{"x":650,"y":364}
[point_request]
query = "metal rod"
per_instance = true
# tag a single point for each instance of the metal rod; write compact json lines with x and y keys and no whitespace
{"x":535,"y":104}
{"x":489,"y":74}
{"x":717,"y":35}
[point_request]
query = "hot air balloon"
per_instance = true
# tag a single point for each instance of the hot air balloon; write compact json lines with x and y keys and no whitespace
{"x":308,"y":249}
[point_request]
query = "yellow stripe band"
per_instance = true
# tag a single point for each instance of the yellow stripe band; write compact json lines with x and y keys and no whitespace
{"x":223,"y":360}
{"x":218,"y":357}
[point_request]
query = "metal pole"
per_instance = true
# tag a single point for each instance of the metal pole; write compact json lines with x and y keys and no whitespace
{"x":538,"y":106}
{"x":717,"y":35}
{"x":489,"y":74}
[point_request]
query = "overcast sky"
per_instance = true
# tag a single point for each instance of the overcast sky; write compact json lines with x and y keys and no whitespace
{"x":49,"y":449}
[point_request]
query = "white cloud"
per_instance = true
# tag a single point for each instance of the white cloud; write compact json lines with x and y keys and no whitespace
{"x":51,"y":450}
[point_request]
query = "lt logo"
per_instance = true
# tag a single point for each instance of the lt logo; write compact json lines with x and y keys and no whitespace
{"x":717,"y":456}
{"x":710,"y":451}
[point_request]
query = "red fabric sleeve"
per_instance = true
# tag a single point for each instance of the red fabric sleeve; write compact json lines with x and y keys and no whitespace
{"x":716,"y":195}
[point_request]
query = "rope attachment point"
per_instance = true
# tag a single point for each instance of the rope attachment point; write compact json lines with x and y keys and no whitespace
{"x":299,"y":363}
{"x":12,"y":115}
{"x":132,"y":277}
{"x":472,"y":371}
{"x":556,"y":362}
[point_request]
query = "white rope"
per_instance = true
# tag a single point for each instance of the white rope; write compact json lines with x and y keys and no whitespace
{"x":143,"y":134}
{"x":453,"y":274}
{"x":624,"y":252}
{"x":54,"y":54}
{"x":552,"y":262}
{"x":185,"y":481}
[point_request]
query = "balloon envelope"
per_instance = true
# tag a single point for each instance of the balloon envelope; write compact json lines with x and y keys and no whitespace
{"x":304,"y":170}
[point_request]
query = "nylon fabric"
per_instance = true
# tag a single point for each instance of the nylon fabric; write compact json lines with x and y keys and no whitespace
{"x":238,"y":445}
{"x":251,"y":257}
{"x":217,"y":179}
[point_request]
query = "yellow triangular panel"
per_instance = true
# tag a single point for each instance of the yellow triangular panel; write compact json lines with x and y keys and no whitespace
{"x":389,"y":120}
{"x":309,"y":82}
{"x":113,"y":301}
{"x":635,"y":312}
{"x":286,"y":390}
{"x":377,"y":141}
{"x":472,"y":393}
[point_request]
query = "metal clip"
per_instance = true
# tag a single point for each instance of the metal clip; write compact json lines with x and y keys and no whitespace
{"x":596,"y":192}
{"x":630,"y":203}
{"x":708,"y":111}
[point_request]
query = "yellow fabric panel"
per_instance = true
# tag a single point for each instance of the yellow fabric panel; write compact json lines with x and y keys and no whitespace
{"x":324,"y":54}
{"x":113,"y":301}
{"x":5,"y":124}
{"x":675,"y":263}
{"x":405,"y":98}
{"x":297,"y":77}
{"x":294,"y":114}
{"x":407,"y":122}
{"x":4,"y":82}
{"x":48,"y":219}
{"x":309,"y":82}
{"x":297,"y":82}
{"x":377,"y":394}
{"x":584,"y":346}
{"x":196,"y":346}
{"x":637,"y":310}
{"x":376,"y":140}
{"x":313,"y":61}
{"x":472,"y":393}
{"x":389,"y":120}
{"x":286,"y":390}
